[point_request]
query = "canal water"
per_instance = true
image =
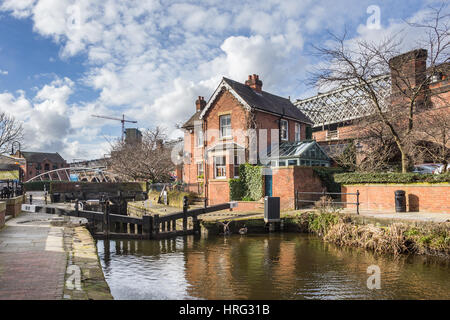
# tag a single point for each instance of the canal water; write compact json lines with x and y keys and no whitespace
{"x":275,"y":266}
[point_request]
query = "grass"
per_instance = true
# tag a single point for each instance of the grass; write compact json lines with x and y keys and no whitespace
{"x":398,"y":238}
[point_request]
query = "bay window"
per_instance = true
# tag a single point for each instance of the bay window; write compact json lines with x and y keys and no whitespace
{"x":220,"y":169}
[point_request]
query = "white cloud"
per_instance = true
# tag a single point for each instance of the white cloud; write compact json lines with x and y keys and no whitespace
{"x":3,"y":72}
{"x":150,"y":60}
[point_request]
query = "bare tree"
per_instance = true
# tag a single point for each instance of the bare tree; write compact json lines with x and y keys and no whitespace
{"x":11,"y":130}
{"x":149,"y":160}
{"x":433,"y":137}
{"x":359,"y":62}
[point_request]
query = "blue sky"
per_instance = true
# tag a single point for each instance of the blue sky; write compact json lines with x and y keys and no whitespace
{"x":63,"y":60}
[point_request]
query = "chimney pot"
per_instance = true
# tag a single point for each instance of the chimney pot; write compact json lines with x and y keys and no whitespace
{"x":254,"y":82}
{"x":200,"y":103}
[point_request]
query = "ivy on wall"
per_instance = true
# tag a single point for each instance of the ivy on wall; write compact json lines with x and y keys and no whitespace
{"x":249,"y":185}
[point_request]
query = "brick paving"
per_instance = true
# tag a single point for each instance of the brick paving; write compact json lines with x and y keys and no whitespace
{"x":32,"y":259}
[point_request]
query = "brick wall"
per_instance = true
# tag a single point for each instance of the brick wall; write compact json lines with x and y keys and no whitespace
{"x":287,"y":180}
{"x":419,"y":197}
{"x":218,"y":192}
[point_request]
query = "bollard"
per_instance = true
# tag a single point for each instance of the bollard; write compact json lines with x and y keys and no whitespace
{"x":76,"y":208}
{"x":400,"y":201}
{"x":31,"y":199}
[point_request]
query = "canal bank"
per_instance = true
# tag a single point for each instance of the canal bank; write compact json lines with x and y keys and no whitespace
{"x":286,"y":266}
{"x":381,"y":235}
{"x":40,"y":252}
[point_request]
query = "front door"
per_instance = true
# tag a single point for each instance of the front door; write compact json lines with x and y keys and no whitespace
{"x":268,"y":183}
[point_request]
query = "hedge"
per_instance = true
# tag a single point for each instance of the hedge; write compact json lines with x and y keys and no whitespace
{"x":390,"y":177}
{"x":37,"y":185}
{"x":326,"y":175}
{"x":249,"y":185}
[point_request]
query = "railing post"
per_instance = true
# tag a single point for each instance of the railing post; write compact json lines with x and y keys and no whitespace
{"x":147,"y":227}
{"x":357,"y":202}
{"x":156,"y":226}
{"x":185,"y":209}
{"x":296,"y":200}
{"x":106,"y":219}
{"x":77,"y":212}
{"x":196,"y":223}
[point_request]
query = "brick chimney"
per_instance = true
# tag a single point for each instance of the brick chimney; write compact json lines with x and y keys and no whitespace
{"x":200,"y":103}
{"x":254,"y":82}
{"x":410,"y":66}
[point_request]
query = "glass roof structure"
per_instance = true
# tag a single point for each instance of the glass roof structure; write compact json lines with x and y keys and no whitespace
{"x":307,"y":153}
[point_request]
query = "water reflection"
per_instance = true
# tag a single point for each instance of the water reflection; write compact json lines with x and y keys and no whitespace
{"x":276,"y":266}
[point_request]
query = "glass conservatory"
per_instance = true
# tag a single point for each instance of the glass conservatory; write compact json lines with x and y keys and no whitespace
{"x":301,"y":153}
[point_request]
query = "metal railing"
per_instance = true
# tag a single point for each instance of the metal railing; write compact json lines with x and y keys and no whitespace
{"x":324,"y":194}
{"x":11,"y":191}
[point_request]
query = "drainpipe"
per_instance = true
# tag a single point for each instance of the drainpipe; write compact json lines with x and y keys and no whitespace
{"x":205,"y":161}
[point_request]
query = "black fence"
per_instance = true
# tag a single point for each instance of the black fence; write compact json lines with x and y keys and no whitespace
{"x":335,"y":197}
{"x":10,"y":190}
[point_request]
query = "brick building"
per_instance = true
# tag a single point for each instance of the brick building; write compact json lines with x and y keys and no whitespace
{"x":238,"y":120}
{"x":37,"y":163}
{"x":336,"y":113}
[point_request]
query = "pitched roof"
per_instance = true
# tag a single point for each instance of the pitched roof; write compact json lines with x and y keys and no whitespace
{"x":190,"y":122}
{"x":263,"y":101}
{"x":41,"y":156}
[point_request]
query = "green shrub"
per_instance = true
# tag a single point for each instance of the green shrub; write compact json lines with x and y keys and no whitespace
{"x":326,"y":175}
{"x":389,"y":177}
{"x":237,"y":189}
{"x":249,"y":185}
{"x":253,"y":180}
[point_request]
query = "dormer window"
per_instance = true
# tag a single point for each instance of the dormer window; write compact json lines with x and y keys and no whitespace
{"x":225,"y":126}
{"x":284,"y":130}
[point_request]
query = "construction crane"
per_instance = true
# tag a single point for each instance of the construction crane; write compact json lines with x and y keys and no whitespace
{"x":118,"y":119}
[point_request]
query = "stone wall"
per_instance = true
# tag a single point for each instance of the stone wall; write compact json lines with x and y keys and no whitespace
{"x":14,"y":206}
{"x":2,"y":213}
{"x":419,"y":197}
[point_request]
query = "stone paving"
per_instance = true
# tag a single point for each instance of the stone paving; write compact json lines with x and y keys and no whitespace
{"x":32,"y":258}
{"x":34,"y":252}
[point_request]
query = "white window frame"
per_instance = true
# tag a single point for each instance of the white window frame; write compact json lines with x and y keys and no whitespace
{"x":202,"y":171}
{"x":287,"y":130}
{"x":236,"y":164}
{"x":199,"y":139}
{"x":226,"y":126}
{"x":222,"y":167}
{"x":298,"y":131}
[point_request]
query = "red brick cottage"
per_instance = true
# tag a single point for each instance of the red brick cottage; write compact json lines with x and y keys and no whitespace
{"x":217,"y":138}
